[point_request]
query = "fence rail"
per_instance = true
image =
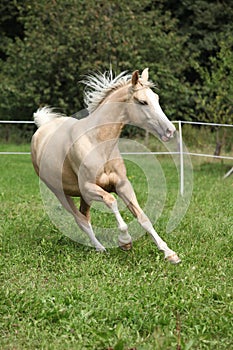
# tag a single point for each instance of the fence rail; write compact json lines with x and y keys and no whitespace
{"x":17,"y":122}
{"x":180,"y":152}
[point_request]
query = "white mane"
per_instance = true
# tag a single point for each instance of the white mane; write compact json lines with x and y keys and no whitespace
{"x":99,"y":86}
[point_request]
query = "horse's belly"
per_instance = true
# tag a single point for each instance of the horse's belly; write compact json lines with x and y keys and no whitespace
{"x":65,"y":181}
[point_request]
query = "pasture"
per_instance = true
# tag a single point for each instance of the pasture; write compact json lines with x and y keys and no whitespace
{"x":57,"y":294}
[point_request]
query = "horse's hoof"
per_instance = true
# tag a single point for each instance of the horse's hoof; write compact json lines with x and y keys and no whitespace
{"x":173,"y":259}
{"x":100,"y":250}
{"x":125,"y":246}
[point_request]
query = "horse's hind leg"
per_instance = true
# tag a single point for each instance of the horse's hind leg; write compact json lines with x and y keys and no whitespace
{"x":85,"y":209}
{"x":124,"y":239}
{"x":81,"y":218}
{"x":95,"y":192}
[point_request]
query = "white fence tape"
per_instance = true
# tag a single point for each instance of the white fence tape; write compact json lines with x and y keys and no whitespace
{"x":181,"y":152}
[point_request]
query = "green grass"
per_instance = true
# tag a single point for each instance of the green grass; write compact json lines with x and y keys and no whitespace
{"x":57,"y":294}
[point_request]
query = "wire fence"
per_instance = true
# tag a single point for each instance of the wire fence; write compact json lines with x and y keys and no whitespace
{"x":179,"y":152}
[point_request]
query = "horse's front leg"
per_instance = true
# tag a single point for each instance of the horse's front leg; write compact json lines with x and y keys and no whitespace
{"x":125,"y":190}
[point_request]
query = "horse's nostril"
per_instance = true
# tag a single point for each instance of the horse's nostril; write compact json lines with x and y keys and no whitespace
{"x":169,"y":133}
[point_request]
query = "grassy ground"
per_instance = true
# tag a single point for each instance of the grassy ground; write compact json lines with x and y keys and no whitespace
{"x":57,"y":294}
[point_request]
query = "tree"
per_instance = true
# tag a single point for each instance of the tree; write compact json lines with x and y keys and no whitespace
{"x":206,"y":24}
{"x":10,"y":27}
{"x":52,"y":44}
{"x":65,"y":39}
{"x":214,"y":99}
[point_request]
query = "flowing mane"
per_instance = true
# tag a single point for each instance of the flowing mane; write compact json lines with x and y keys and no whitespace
{"x":100,"y":85}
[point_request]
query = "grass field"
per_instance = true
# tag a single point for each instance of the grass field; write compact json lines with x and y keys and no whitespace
{"x":57,"y":294}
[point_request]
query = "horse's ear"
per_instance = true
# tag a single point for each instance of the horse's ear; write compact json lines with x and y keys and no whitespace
{"x":135,"y":77}
{"x":145,"y":74}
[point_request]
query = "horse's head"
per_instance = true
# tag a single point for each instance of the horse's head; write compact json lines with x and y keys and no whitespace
{"x":148,"y":113}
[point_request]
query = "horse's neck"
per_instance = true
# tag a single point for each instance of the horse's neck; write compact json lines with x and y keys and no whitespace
{"x":110,"y":117}
{"x":108,"y":121}
{"x":102,"y":131}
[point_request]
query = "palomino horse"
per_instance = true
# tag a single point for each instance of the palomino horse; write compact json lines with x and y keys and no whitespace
{"x":81,"y":158}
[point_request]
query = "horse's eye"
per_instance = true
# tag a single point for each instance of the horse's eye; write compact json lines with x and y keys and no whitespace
{"x":144,"y":103}
{"x":140,"y":102}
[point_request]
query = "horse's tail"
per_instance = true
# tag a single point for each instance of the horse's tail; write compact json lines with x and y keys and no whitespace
{"x":44,"y":115}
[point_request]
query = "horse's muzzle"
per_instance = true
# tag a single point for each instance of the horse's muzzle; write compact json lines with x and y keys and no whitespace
{"x":169,"y":134}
